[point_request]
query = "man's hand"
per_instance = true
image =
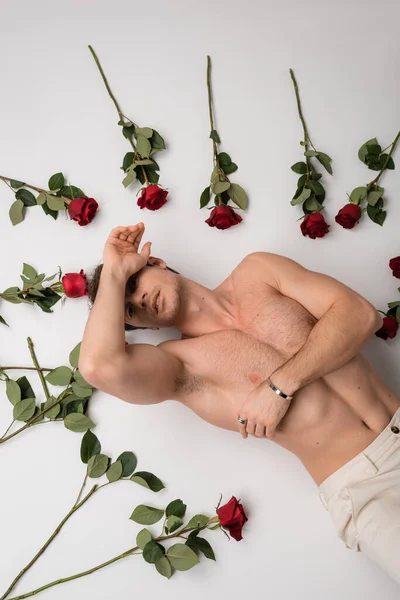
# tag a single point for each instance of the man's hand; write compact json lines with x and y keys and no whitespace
{"x":121,"y":251}
{"x":263,"y":411}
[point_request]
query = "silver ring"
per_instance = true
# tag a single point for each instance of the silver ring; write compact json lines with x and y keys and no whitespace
{"x":242,"y":421}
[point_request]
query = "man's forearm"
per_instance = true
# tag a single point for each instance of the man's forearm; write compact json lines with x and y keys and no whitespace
{"x":104,"y":336}
{"x":333,"y":341}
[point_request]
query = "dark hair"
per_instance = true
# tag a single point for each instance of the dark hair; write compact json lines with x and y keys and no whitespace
{"x":93,"y":282}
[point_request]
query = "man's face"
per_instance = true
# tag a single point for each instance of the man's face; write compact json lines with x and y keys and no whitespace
{"x":141,"y":290}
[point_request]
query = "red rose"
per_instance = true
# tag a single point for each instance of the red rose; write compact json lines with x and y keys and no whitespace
{"x":314,"y":226}
{"x":348,"y":216}
{"x":232,"y":517}
{"x":74,"y":284}
{"x":223,"y":217}
{"x":388,"y":329}
{"x":394,"y":264}
{"x":152,"y":197}
{"x":82,"y":210}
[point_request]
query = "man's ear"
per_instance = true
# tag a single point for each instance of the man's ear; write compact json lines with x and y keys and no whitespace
{"x":157,"y":261}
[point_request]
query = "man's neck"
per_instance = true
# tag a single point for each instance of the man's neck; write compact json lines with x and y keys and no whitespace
{"x":204,"y":310}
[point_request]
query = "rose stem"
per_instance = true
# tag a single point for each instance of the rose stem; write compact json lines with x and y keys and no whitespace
{"x":101,"y":566}
{"x":51,"y":538}
{"x":393,"y":144}
{"x":306,"y":138}
{"x":120,"y":114}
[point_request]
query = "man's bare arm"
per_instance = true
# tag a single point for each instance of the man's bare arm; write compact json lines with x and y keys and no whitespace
{"x":346,"y":320}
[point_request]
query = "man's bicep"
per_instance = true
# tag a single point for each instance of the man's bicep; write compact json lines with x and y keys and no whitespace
{"x":315,"y":291}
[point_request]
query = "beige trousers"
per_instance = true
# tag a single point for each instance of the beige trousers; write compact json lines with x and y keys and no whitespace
{"x":363,"y":499}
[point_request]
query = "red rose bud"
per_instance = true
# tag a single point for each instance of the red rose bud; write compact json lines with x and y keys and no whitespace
{"x":82,"y":210}
{"x":232,"y":517}
{"x":348,"y":216}
{"x":152,"y":197}
{"x":394,"y":264}
{"x":223,"y":217}
{"x":74,"y":284}
{"x":388,"y":329}
{"x":314,"y":226}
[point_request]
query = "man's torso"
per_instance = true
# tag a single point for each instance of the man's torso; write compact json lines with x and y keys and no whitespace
{"x":328,"y":422}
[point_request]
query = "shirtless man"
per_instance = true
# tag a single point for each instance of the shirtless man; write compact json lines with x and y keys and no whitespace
{"x":270,"y":323}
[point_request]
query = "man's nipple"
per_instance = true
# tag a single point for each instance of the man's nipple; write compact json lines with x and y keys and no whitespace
{"x":256,"y":378}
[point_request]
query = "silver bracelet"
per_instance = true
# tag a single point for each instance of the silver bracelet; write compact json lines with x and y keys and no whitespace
{"x":275,"y":389}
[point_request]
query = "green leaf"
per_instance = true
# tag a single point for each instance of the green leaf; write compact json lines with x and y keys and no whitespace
{"x":148,"y":480}
{"x":224,"y":159}
{"x":16,"y":212}
{"x":198,"y":543}
{"x":374,"y":149}
{"x":145,"y":161}
{"x":41,"y":198}
{"x":128,"y":161}
{"x":153,"y":551}
{"x":390,"y":163}
{"x":176,"y":507}
{"x":78,"y":422}
{"x":358,"y":194}
{"x":13,"y":391}
{"x":81,"y":381}
{"x":220,"y":186}
{"x":29,"y":271}
{"x":54,"y":411}
{"x":146,"y":515}
{"x":26,"y":389}
{"x":48,"y":211}
{"x":214,"y":136}
{"x":363,"y":151}
{"x":198,"y":521}
{"x":181,"y":557}
{"x":15,"y":184}
{"x":304,"y":194}
{"x":152,"y":175}
{"x":325,"y":161}
{"x":56,"y":181}
{"x":237,"y":194}
{"x":59,"y":376}
{"x":374,"y":196}
{"x":129,"y":462}
{"x":3,"y":321}
{"x":90,"y":446}
{"x":128,"y":130}
{"x":163,"y":566}
{"x":24,"y":409}
{"x":299,"y":167}
{"x":114,"y":471}
{"x":26,"y":196}
{"x":228,"y":169}
{"x":143,"y":146}
{"x":130,"y":176}
{"x":205,"y":197}
{"x":311,"y":205}
{"x":74,"y":356}
{"x":311,"y":153}
{"x":54,"y":202}
{"x":173,"y":523}
{"x":81,"y":392}
{"x":71,"y":192}
{"x":147,"y":132}
{"x":143,"y":537}
{"x":317,"y":188}
{"x":97,"y":465}
{"x":156,"y":141}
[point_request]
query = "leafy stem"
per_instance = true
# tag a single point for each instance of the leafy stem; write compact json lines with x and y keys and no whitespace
{"x":26,"y":368}
{"x":393,"y":146}
{"x":210,"y":110}
{"x":35,"y":362}
{"x":119,"y":111}
{"x":75,"y":507}
{"x":306,"y":140}
{"x":130,"y":552}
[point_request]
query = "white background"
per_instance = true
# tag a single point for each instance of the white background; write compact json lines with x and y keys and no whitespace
{"x":56,"y":116}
